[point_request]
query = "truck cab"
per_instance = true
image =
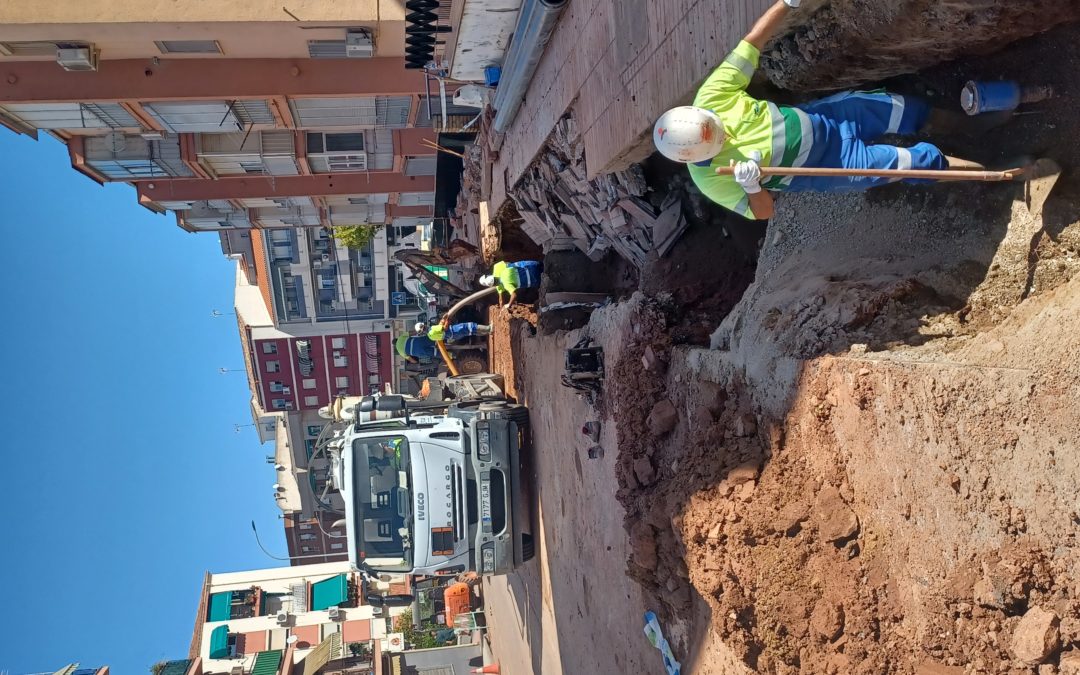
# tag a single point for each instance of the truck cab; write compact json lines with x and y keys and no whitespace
{"x":433,"y":488}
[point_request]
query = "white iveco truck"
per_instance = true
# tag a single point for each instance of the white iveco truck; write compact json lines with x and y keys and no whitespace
{"x":433,"y":487}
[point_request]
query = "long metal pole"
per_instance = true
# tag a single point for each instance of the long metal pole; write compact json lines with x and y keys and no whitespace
{"x":927,"y":174}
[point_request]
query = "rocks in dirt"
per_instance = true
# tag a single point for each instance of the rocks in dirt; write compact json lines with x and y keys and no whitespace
{"x":644,"y":471}
{"x":643,"y":545}
{"x":556,"y":200}
{"x":835,"y":520}
{"x":936,"y":668}
{"x":789,"y":518}
{"x":1036,"y":637}
{"x":662,"y":418}
{"x":743,"y":473}
{"x":1001,"y":587}
{"x":1069,"y":664}
{"x":745,"y":425}
{"x":827,"y":620}
{"x":652,"y":361}
{"x":712,"y":396}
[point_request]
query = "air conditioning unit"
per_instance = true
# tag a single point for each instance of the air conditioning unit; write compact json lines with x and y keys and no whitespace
{"x":316,"y":264}
{"x":287,"y":391}
{"x":335,"y":613}
{"x":282,"y":618}
{"x":237,"y":670}
{"x":326,"y":257}
{"x":152,"y":135}
{"x":81,"y":58}
{"x":358,"y":45}
{"x":376,"y":611}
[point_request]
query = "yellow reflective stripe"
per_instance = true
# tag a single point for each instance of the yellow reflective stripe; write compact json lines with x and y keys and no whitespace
{"x":779,"y":135}
{"x":741,"y":63}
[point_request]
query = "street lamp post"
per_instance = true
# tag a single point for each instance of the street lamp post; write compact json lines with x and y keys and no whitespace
{"x":275,"y":557}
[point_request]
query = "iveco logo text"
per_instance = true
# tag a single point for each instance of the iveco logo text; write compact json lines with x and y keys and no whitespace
{"x":419,"y":505}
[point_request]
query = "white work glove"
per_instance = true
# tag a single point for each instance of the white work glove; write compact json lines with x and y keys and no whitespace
{"x":792,"y":3}
{"x":748,"y":176}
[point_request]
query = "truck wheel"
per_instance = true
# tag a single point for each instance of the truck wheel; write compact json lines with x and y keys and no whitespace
{"x":470,"y":362}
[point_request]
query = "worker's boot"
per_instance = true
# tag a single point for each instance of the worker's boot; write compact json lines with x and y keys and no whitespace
{"x":483,"y":330}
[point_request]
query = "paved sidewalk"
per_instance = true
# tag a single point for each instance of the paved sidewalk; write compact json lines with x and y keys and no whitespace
{"x":618,"y":64}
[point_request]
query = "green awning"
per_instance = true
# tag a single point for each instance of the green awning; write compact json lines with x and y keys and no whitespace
{"x":267,"y":663}
{"x":219,"y":643}
{"x":330,"y":592}
{"x":220,"y":607}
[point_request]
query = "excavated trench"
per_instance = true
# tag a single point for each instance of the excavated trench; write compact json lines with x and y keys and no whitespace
{"x":848,"y":43}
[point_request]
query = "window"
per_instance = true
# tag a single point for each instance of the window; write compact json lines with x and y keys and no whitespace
{"x":305,"y":526}
{"x":341,"y":382}
{"x":269,"y":348}
{"x":341,"y":361}
{"x":336,"y":547}
{"x":307,"y":549}
{"x":309,"y":449}
{"x":338,"y":343}
{"x":307,"y":537}
{"x":278,"y":403}
{"x":344,"y":142}
{"x":273,"y":366}
{"x":314,"y":429}
{"x":311,"y":400}
{"x":188,"y":46}
{"x":420,"y":166}
{"x":309,"y":384}
{"x":276,"y":386}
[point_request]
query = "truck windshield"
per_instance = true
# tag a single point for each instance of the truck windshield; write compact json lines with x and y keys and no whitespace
{"x":383,"y":500}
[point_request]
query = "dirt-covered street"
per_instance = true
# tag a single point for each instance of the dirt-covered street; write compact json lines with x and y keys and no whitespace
{"x":854,"y":449}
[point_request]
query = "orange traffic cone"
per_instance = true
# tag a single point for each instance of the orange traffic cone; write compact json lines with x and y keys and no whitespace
{"x":490,"y":668}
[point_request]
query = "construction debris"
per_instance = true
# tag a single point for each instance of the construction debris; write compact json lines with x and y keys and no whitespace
{"x":609,"y":212}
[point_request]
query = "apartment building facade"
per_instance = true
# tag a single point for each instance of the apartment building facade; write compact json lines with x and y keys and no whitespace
{"x":290,"y":619}
{"x":235,"y":116}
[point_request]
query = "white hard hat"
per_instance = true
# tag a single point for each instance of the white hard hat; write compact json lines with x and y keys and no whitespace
{"x":487,"y":280}
{"x":420,"y":327}
{"x":689,"y":134}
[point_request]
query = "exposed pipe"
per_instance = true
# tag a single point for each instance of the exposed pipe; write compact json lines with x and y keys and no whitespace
{"x":536,"y":22}
{"x":449,"y":314}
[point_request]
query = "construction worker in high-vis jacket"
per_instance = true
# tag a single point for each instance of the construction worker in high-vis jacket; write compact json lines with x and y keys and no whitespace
{"x":415,"y":347}
{"x":444,"y":331}
{"x":726,"y":127}
{"x":511,"y":277}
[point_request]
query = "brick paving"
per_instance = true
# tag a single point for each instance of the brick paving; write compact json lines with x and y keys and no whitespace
{"x":618,"y":64}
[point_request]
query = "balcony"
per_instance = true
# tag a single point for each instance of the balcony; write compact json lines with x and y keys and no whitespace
{"x":125,"y":157}
{"x":263,"y":153}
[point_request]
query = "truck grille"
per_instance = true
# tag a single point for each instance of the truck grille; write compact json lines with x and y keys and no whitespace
{"x":457,"y":495}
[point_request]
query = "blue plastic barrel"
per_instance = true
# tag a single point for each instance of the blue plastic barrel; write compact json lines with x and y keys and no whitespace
{"x":492,"y":75}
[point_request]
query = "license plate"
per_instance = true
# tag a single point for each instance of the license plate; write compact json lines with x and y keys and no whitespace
{"x":485,"y":502}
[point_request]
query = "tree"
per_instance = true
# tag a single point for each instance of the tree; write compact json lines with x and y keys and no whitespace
{"x":418,"y":638}
{"x":357,"y":236}
{"x":158,"y":667}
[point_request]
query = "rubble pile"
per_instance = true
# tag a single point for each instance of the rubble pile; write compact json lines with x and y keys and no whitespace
{"x":558,"y":205}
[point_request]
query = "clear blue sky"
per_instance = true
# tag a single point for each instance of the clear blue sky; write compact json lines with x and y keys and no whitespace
{"x":124,"y":479}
